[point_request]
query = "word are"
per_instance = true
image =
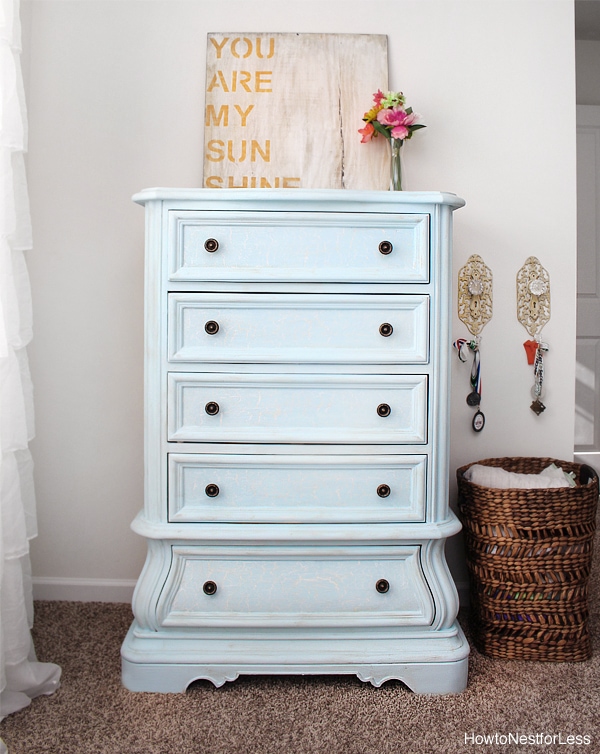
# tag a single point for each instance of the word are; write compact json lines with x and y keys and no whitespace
{"x":247,"y":81}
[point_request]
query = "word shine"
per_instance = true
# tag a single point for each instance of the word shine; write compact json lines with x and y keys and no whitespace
{"x":252,"y":181}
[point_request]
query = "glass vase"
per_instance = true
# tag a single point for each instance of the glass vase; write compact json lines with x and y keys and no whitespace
{"x":396,"y":164}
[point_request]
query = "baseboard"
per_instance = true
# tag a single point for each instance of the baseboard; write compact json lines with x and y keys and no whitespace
{"x":82,"y":590}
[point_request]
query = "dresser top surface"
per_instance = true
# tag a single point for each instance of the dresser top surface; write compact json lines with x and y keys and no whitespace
{"x":299,"y":199}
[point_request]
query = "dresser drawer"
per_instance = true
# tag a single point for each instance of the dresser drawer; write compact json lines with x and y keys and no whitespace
{"x":297,"y":408}
{"x":296,"y":489}
{"x":262,"y":327}
{"x":297,"y":586}
{"x":293,"y":246}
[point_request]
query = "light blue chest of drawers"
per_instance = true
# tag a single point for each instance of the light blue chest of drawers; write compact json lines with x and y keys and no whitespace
{"x":296,"y":440}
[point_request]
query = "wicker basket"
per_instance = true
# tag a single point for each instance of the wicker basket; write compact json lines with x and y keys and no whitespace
{"x":529,"y":554}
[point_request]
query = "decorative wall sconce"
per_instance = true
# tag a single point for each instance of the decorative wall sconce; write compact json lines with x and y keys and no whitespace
{"x":533,"y":312}
{"x":475,"y":311}
{"x":475,"y":294}
{"x":533,"y":296}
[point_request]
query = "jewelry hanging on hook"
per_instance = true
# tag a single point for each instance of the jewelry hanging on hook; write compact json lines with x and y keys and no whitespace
{"x":475,"y":311}
{"x":533,"y":312}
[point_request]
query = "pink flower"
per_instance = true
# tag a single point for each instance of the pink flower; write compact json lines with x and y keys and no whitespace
{"x":398,"y":119}
{"x":399,"y":132}
{"x":367,"y":133}
{"x":378,"y":97}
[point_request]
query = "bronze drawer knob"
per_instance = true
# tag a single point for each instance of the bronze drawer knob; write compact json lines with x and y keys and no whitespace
{"x":212,"y":490}
{"x":211,"y":244}
{"x":384,"y":490}
{"x":383,"y":409}
{"x":209,"y":587}
{"x":386,"y":247}
{"x":382,"y":586}
{"x":212,"y":327}
{"x":386,"y":329}
{"x":212,"y":408}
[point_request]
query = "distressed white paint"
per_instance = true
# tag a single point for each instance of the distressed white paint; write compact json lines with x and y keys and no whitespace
{"x":297,"y":536}
{"x":295,"y":587}
{"x":297,"y":408}
{"x":299,"y":488}
{"x":315,"y":246}
{"x":283,"y":111}
{"x":295,"y":327}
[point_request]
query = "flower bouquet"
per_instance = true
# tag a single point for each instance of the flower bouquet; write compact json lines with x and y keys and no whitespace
{"x":390,"y":117}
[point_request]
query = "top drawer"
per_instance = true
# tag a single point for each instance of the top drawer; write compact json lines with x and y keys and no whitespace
{"x":298,"y":246}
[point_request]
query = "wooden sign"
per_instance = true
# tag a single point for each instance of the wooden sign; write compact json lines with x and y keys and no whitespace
{"x":283,"y":111}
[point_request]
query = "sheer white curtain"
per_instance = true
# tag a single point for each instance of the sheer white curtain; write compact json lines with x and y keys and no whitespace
{"x":21,"y":676}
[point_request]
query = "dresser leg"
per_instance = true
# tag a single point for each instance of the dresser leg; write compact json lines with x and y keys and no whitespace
{"x":155,"y":663}
{"x":421,"y":678}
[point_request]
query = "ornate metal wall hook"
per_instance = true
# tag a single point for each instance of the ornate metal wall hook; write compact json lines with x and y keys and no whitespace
{"x":475,"y":294}
{"x":533,"y":297}
{"x":533,"y":312}
{"x":475,"y":311}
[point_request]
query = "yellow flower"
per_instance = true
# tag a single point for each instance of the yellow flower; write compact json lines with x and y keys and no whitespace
{"x":372,"y":114}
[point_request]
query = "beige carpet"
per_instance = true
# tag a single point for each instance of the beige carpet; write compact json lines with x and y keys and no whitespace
{"x":92,"y":713}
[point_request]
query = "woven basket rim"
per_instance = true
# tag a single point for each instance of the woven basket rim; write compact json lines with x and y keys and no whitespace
{"x":544,"y":462}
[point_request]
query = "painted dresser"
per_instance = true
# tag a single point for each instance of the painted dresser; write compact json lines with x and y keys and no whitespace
{"x":296,"y":440}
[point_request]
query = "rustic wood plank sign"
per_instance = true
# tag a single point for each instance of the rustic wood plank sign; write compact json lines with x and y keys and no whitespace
{"x":283,"y":111}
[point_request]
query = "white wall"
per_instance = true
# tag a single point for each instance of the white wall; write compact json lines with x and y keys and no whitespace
{"x":116,"y":104}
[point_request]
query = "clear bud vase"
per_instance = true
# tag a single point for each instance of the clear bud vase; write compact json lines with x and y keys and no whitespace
{"x":396,"y":164}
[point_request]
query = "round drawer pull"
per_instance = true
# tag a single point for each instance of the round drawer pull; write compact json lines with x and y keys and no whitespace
{"x":386,"y":247}
{"x":212,"y":327}
{"x":211,"y":244}
{"x":209,"y":587}
{"x":382,"y":586}
{"x":212,"y":408}
{"x":386,"y":329}
{"x":212,"y":490}
{"x":383,"y":409}
{"x":384,"y":490}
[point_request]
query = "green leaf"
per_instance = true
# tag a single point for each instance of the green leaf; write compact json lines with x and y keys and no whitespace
{"x":381,"y":129}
